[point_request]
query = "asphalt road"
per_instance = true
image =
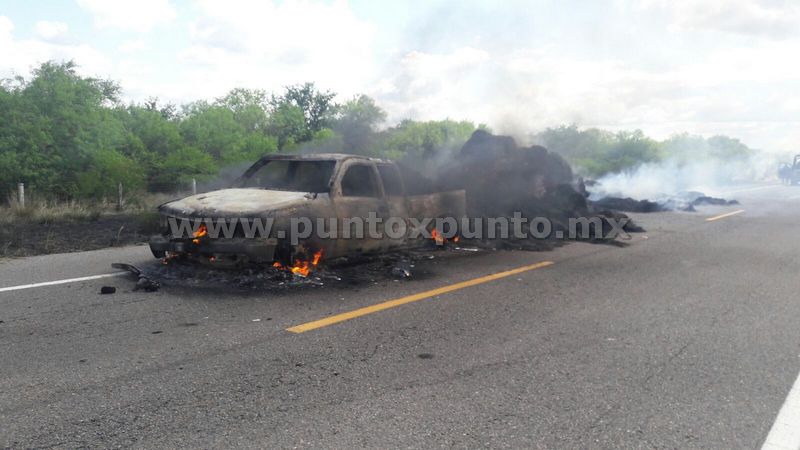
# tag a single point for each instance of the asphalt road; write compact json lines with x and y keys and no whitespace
{"x":686,"y":337}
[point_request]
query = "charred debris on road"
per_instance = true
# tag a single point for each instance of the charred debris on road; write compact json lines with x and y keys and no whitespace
{"x":347,"y":273}
{"x":685,"y":201}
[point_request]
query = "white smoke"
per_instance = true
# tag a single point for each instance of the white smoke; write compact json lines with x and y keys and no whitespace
{"x":671,"y":178}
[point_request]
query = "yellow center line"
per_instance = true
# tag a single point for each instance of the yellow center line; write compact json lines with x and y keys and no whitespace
{"x":302,"y":328}
{"x":733,"y":213}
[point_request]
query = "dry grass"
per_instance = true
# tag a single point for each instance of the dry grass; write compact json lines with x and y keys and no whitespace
{"x":48,"y":226}
{"x":54,"y":211}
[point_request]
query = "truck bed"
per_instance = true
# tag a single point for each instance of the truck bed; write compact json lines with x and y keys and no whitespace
{"x":438,"y":204}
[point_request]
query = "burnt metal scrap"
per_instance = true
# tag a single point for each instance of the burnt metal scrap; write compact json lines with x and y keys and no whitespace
{"x":143,"y":282}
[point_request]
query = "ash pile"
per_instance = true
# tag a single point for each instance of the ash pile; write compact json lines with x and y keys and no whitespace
{"x":501,"y":178}
{"x":683,"y":201}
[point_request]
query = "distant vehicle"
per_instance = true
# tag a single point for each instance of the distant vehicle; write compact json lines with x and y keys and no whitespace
{"x":790,"y":174}
{"x":317,"y":186}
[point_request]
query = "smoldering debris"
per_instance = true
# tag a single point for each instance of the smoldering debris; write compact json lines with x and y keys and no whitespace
{"x":706,"y":200}
{"x":629,"y":205}
{"x":684,"y":201}
{"x":501,"y":178}
{"x":403,"y":269}
{"x":346,"y":273}
{"x":676,"y":184}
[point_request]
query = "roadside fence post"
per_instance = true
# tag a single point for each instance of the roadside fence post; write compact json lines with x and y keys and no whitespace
{"x":119,"y":196}
{"x":194,"y":186}
{"x":21,"y":190}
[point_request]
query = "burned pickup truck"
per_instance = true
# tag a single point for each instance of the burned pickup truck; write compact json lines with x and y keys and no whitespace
{"x":282,"y":191}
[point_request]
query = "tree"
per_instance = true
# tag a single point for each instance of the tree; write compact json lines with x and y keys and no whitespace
{"x":317,"y":107}
{"x":152,"y":140}
{"x":249,"y":107}
{"x":215,"y":131}
{"x":356,"y":123}
{"x":361,"y":110}
{"x":287,"y":124}
{"x":106,"y":170}
{"x":158,"y":134}
{"x":57,"y":123}
{"x":685,"y":147}
{"x":574,"y":144}
{"x":180,"y":166}
{"x":420,"y":141}
{"x":726,"y":148}
{"x":597,"y":152}
{"x":168,"y":111}
{"x":630,"y":149}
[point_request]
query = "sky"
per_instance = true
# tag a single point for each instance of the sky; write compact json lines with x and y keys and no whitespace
{"x":663,"y":66}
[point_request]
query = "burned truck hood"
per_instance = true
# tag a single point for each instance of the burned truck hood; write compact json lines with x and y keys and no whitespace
{"x":245,"y":202}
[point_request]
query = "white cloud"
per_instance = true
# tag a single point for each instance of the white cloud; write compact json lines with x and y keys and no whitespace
{"x":132,"y":46}
{"x":139,"y":80}
{"x":526,"y":90}
{"x":770,"y":18}
{"x":6,"y":28}
{"x":130,"y":15}
{"x":20,"y":55}
{"x":49,"y":30}
{"x":266,"y":44}
{"x":416,"y":84}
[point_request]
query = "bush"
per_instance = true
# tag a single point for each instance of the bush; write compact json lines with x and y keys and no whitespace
{"x":107,"y":169}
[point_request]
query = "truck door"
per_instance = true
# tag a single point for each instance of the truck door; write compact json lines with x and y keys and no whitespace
{"x":395,"y":194}
{"x":357,"y":192}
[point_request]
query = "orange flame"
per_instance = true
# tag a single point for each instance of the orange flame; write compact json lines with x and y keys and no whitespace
{"x":317,"y":257}
{"x":201,"y":231}
{"x":300,"y":267}
{"x":441,"y":240}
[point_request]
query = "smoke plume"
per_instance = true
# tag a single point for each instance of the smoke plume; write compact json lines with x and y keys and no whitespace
{"x":671,"y":178}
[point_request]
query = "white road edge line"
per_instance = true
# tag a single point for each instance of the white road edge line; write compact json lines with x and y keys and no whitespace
{"x":785,"y":432}
{"x":68,"y":280}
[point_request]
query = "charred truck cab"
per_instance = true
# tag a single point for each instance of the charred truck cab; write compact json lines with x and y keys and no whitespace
{"x":279,"y":190}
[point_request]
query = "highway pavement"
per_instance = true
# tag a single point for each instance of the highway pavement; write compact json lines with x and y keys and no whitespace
{"x":685,"y":337}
